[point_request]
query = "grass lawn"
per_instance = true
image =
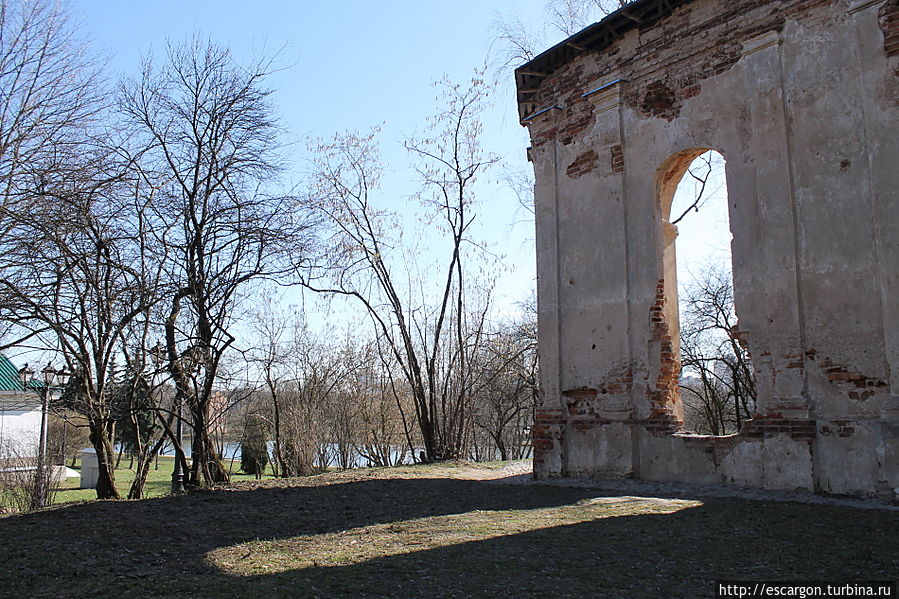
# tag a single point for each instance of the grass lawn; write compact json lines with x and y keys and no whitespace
{"x":159,"y":481}
{"x":433,"y":531}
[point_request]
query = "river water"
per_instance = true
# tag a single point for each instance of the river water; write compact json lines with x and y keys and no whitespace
{"x":231,"y":451}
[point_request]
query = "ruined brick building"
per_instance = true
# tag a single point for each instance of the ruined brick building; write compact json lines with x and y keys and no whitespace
{"x":801,"y":97}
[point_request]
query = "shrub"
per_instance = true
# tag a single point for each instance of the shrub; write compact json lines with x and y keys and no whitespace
{"x":254,"y":448}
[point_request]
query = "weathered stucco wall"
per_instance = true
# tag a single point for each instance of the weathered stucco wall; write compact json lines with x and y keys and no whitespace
{"x":801,"y":98}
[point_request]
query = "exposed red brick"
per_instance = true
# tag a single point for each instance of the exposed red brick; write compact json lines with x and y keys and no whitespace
{"x":840,"y":374}
{"x":774,"y":423}
{"x":723,"y":35}
{"x":545,"y":431}
{"x":583,"y":164}
{"x":663,"y":398}
{"x":617,"y":159}
{"x":660,"y":101}
{"x":889,"y":24}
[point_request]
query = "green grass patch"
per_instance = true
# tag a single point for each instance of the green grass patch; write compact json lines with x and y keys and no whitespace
{"x":159,"y":480}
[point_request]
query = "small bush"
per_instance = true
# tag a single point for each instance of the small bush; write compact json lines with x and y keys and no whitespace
{"x":22,"y":487}
{"x":254,"y":449}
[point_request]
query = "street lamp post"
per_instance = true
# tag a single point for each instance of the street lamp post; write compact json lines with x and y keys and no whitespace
{"x":157,"y":353}
{"x":50,"y":376}
{"x":65,"y":437}
{"x":178,"y":472}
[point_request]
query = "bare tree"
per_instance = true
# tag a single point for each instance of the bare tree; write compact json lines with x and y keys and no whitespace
{"x":67,"y":434}
{"x":23,"y":487}
{"x":700,"y":172}
{"x":506,"y":399}
{"x":515,"y":44}
{"x":271,"y":356}
{"x":430,"y":340}
{"x":51,"y":91}
{"x":305,"y":380}
{"x":145,"y":411}
{"x":80,"y":273}
{"x":570,"y":16}
{"x":308,"y":417}
{"x":51,"y":95}
{"x":382,"y":435}
{"x":718,"y":388}
{"x":77,"y":275}
{"x":209,"y":144}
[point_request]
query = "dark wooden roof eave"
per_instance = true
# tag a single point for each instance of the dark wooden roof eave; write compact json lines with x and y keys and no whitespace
{"x":594,"y":38}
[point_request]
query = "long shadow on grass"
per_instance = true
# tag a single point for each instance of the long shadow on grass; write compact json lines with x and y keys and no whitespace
{"x":681,"y":554}
{"x":158,"y":548}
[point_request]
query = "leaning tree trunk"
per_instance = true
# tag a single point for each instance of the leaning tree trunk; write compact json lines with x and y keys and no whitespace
{"x":100,"y":435}
{"x":206,"y":467}
{"x":145,"y":457}
{"x":140,"y":477}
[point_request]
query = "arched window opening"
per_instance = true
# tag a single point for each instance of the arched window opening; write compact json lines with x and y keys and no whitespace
{"x":716,"y":389}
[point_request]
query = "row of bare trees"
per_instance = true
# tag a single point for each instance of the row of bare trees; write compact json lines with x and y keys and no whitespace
{"x":429,"y":336}
{"x":138,"y":220}
{"x":325,"y":402}
{"x":348,"y":403}
{"x":133,"y":220}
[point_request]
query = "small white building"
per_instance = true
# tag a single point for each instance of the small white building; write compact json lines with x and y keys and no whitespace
{"x":20,"y":415}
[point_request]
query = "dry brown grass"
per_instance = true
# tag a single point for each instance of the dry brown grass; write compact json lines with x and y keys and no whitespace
{"x":433,"y":531}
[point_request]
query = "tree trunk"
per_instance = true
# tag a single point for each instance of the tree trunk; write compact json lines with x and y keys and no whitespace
{"x":99,"y":437}
{"x":144,"y":459}
{"x":140,"y":478}
{"x":281,"y":467}
{"x":206,"y":468}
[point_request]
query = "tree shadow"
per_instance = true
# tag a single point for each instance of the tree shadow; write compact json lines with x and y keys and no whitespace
{"x":159,"y":548}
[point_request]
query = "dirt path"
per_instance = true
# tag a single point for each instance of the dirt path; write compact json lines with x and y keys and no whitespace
{"x":508,"y":471}
{"x":519,"y":473}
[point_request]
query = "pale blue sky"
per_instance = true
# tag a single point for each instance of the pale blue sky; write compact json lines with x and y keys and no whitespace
{"x":353,"y":65}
